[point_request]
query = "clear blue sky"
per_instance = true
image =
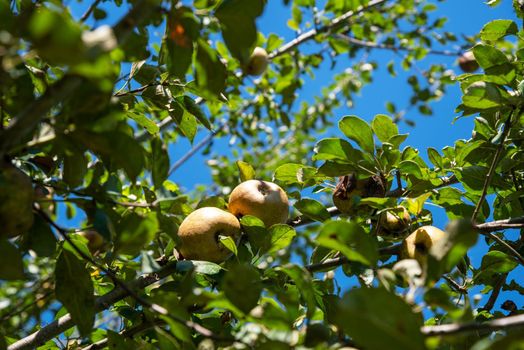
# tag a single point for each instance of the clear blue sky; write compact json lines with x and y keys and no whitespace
{"x":464,"y":17}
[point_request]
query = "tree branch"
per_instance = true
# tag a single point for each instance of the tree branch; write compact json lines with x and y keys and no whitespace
{"x":90,"y":10}
{"x":495,"y":293}
{"x":334,"y":24}
{"x":373,"y":45}
{"x":29,"y":118}
{"x":493,"y":325}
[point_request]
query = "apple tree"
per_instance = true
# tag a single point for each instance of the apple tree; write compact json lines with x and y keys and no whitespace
{"x":95,"y":221}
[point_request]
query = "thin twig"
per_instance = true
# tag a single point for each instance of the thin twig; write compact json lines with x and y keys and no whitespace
{"x":373,"y":45}
{"x":492,"y":325}
{"x":512,"y":250}
{"x":495,"y":292}
{"x":491,"y":171}
{"x":91,"y":8}
{"x":334,"y":24}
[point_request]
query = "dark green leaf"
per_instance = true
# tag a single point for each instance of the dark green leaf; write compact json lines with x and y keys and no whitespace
{"x":242,"y":286}
{"x":74,"y":289}
{"x":281,"y":237}
{"x":13,"y":266}
{"x":378,"y":319}
{"x":159,"y":162}
{"x":134,"y":232}
{"x":210,"y":71}
{"x":312,"y":209}
{"x":351,"y":240}
{"x":237,"y":20}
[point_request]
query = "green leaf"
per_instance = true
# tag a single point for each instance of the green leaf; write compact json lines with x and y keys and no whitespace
{"x":481,"y":95}
{"x":203,"y":267}
{"x":210,"y":71}
{"x":384,"y":127}
{"x":117,"y":341}
{"x":377,"y":319}
{"x":134,"y":232}
{"x":359,"y":131}
{"x":185,"y":121}
{"x":497,"y":262}
{"x":75,"y":168}
{"x":351,"y":240}
{"x":312,"y":209}
{"x":190,"y":106}
{"x":257,"y":234}
{"x":237,"y":20}
{"x":337,"y":150}
{"x":145,"y":122}
{"x":177,"y":46}
{"x":304,"y":282}
{"x":74,"y":289}
{"x":13,"y":266}
{"x":498,"y":29}
{"x":242,"y":286}
{"x":435,"y":158}
{"x":448,"y":252}
{"x":159,"y":162}
{"x":488,"y":56}
{"x":40,"y":238}
{"x":246,"y":171}
{"x":229,"y":243}
{"x":281,"y":237}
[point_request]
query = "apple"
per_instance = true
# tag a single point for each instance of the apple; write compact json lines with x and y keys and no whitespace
{"x":258,"y":62}
{"x":199,"y":234}
{"x":467,"y":62}
{"x":16,"y":201}
{"x":393,"y":222}
{"x":95,"y":240}
{"x":263,"y":199}
{"x":419,"y":242}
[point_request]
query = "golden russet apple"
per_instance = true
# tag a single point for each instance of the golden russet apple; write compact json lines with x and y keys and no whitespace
{"x":467,"y":62}
{"x":419,"y":242}
{"x":263,"y":199}
{"x":258,"y":62}
{"x":200,"y":234}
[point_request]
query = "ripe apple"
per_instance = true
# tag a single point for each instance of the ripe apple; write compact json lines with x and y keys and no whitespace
{"x":418,"y":243}
{"x":95,"y":240}
{"x":16,"y":201}
{"x":258,"y":62}
{"x":263,"y":199}
{"x":392,"y":223}
{"x":199,"y":234}
{"x":467,"y":62}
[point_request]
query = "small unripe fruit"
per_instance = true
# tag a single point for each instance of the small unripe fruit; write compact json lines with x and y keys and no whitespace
{"x":467,"y":62}
{"x":419,"y":242}
{"x":258,"y":62}
{"x":200,"y":234}
{"x":392,"y":223}
{"x":263,"y":199}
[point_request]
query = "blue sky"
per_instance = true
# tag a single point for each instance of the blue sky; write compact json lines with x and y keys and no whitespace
{"x":464,"y":17}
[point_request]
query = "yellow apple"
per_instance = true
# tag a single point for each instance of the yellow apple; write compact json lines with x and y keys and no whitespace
{"x":199,"y":234}
{"x":95,"y":240}
{"x":263,"y":199}
{"x":258,"y":62}
{"x":467,"y":62}
{"x":16,"y":201}
{"x":419,"y":242}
